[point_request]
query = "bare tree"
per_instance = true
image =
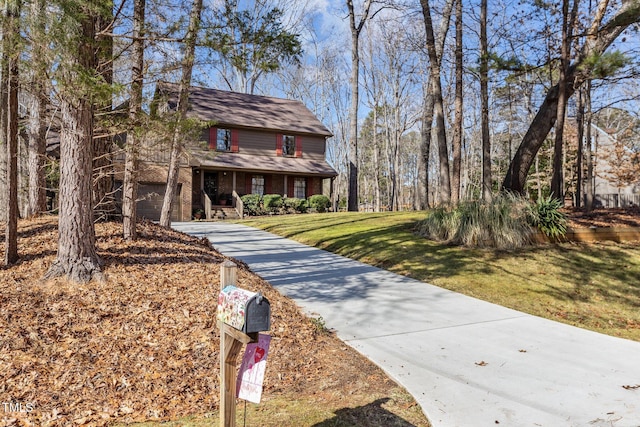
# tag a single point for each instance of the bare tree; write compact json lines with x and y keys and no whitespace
{"x":484,"y":102}
{"x":130,"y":179}
{"x":38,"y":101}
{"x":355,"y":26}
{"x":579,"y":155}
{"x":599,"y":37}
{"x":10,"y":57}
{"x":428,"y":113}
{"x":441,"y":135}
{"x":589,"y":185}
{"x":568,"y":21}
{"x":458,"y":120}
{"x":181,"y":113}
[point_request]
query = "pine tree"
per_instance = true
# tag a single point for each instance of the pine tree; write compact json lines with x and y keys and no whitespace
{"x":78,"y":88}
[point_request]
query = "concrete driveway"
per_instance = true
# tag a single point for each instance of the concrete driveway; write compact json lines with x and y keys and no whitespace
{"x":467,"y":362}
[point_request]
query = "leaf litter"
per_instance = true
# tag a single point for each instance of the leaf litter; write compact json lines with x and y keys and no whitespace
{"x":144,"y":344}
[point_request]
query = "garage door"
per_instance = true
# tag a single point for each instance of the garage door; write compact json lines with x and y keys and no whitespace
{"x":150,"y":202}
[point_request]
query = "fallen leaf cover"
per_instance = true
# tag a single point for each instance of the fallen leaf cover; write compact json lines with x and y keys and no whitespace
{"x":144,"y":345}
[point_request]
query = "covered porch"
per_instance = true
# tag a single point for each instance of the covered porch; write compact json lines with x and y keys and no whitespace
{"x":217,"y":192}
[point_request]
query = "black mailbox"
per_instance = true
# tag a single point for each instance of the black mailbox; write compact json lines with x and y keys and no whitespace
{"x":246,"y":311}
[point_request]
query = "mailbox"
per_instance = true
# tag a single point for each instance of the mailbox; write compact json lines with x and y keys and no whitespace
{"x":246,"y":311}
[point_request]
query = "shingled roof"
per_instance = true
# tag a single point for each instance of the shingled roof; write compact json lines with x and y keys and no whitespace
{"x":236,"y":109}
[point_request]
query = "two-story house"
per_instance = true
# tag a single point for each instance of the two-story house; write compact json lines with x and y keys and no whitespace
{"x":254,"y":145}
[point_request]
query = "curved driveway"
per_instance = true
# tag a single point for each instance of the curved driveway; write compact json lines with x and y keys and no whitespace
{"x":467,"y":362}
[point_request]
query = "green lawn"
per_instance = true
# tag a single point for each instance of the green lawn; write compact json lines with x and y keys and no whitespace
{"x":595,"y":286}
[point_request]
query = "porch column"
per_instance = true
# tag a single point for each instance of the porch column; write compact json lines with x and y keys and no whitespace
{"x":233,"y":185}
{"x":285,"y":186}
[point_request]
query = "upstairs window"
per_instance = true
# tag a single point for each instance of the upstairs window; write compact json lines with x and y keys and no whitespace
{"x":223,"y":139}
{"x":288,"y":145}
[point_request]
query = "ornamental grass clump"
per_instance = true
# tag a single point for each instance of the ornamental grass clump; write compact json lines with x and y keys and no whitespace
{"x":502,"y":223}
{"x":545,"y":215}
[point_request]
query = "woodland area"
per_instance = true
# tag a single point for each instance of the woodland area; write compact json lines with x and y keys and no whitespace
{"x":435,"y":102}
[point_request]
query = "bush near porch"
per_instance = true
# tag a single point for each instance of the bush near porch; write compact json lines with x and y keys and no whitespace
{"x":275,"y":204}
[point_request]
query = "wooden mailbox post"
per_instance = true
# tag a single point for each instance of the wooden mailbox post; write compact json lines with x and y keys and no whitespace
{"x":231,"y":342}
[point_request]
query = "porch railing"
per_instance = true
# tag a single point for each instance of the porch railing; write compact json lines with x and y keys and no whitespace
{"x":237,"y":204}
{"x":207,"y":204}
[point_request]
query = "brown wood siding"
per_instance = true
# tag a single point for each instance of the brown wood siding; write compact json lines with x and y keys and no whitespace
{"x":313,"y":147}
{"x":257,"y":143}
{"x":260,"y":143}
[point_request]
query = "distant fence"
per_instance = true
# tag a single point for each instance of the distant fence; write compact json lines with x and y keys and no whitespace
{"x":617,"y":200}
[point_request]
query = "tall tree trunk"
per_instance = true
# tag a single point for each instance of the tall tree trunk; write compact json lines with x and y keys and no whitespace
{"x":77,"y":258}
{"x":484,"y":102}
{"x":4,"y":114}
{"x":130,"y":180}
{"x":599,"y":39}
{"x":183,"y":105}
{"x":428,"y":114}
{"x":10,"y":79}
{"x":37,"y":125}
{"x":557,"y":179}
{"x":37,"y":131}
{"x":103,"y":196}
{"x":356,"y":29}
{"x":589,"y":188}
{"x":441,"y":136}
{"x":376,"y":160}
{"x":425,"y":148}
{"x":579,"y":156}
{"x":457,"y":126}
{"x":352,"y":195}
{"x":396,"y":158}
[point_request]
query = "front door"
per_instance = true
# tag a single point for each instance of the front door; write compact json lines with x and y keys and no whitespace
{"x":211,"y":185}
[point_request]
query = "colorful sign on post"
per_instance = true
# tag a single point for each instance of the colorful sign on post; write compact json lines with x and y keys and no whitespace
{"x":252,"y":369}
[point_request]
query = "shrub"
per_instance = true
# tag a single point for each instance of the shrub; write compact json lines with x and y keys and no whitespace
{"x":502,"y":223}
{"x":546,"y":216}
{"x":342,"y":203}
{"x":293,"y":204}
{"x":272,"y":202}
{"x":252,"y":204}
{"x":319,"y":202}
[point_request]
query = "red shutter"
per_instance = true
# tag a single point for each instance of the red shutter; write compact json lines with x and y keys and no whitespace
{"x":307,"y":184}
{"x":247,"y":183}
{"x":290,"y":182}
{"x":267,"y":184}
{"x":235,"y":141}
{"x":298,"y":146}
{"x":213,"y":138}
{"x":279,"y":145}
